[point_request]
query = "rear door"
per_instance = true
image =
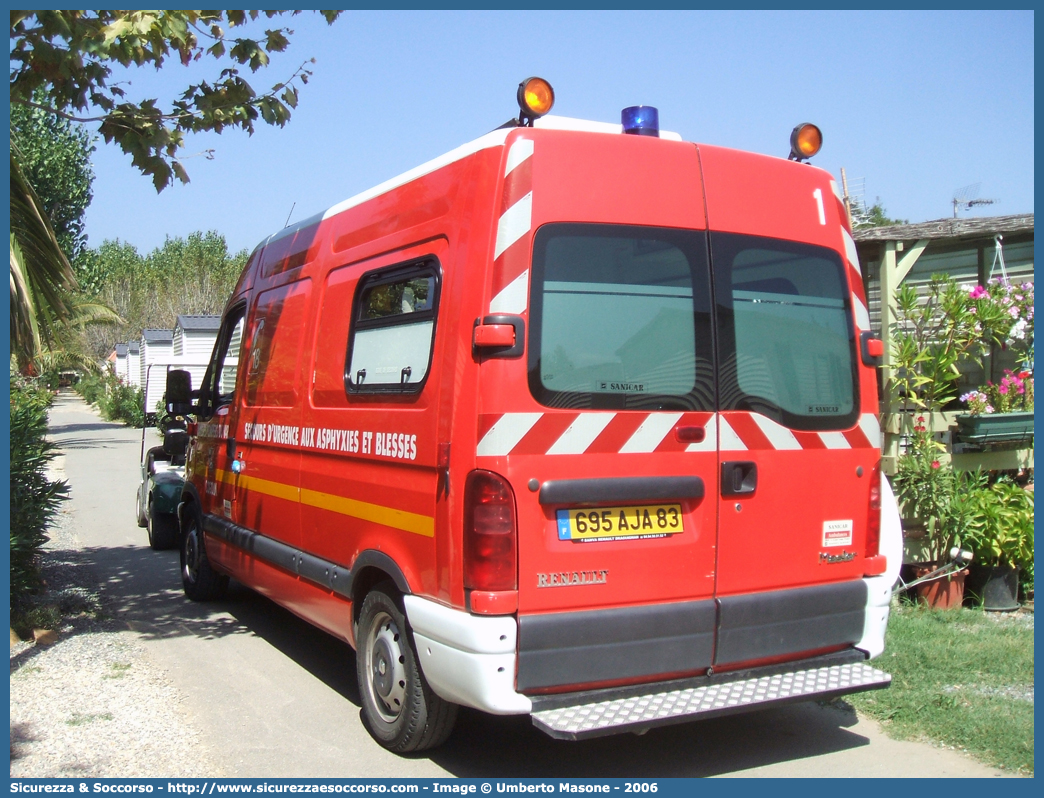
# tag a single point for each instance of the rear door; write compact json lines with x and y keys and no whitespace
{"x":605,"y":428}
{"x":796,"y":450}
{"x":615,"y":472}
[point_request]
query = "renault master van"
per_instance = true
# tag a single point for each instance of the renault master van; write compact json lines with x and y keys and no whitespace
{"x":577,"y":421}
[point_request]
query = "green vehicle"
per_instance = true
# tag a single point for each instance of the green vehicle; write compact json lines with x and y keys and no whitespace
{"x":162,"y":476}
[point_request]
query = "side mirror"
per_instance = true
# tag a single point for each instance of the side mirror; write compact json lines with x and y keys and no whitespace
{"x":179,"y":392}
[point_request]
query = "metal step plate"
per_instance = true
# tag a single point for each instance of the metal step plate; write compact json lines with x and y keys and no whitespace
{"x":678,"y":706}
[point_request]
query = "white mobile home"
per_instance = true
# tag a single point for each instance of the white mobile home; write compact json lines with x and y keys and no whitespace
{"x":157,"y":347}
{"x":134,"y":364}
{"x":194,"y":337}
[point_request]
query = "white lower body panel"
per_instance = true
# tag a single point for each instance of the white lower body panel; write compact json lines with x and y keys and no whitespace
{"x":468,"y":659}
{"x":879,"y":588}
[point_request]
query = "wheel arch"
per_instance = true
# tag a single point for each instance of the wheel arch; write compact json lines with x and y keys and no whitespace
{"x":369,"y":570}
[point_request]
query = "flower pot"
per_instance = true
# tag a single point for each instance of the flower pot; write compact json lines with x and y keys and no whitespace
{"x":996,"y":428}
{"x":941,"y":593}
{"x":1000,"y":593}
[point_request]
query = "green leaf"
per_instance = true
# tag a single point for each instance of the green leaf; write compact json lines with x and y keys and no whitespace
{"x":276,"y":42}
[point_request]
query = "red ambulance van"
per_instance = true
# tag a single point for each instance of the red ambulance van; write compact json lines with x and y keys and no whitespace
{"x":577,"y":421}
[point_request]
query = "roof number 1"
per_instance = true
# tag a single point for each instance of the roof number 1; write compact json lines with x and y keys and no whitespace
{"x":818,"y":194}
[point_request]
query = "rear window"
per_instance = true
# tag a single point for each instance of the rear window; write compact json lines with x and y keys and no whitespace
{"x":787,"y":340}
{"x":620,"y":318}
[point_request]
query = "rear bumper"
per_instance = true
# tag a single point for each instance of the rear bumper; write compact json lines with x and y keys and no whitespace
{"x":471,"y":660}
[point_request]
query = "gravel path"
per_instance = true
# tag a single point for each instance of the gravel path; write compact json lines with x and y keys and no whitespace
{"x":95,"y":704}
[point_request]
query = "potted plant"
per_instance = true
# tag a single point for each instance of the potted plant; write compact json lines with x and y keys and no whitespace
{"x":1001,"y":413}
{"x":997,"y":523}
{"x":926,"y":488}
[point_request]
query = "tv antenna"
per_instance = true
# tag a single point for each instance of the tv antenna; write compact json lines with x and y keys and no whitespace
{"x":968,"y":197}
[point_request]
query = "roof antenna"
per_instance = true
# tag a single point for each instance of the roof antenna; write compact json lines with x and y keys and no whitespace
{"x":295,"y":205}
{"x":966,"y":198}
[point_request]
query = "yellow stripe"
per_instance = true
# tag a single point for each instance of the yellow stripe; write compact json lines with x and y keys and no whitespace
{"x":388,"y":516}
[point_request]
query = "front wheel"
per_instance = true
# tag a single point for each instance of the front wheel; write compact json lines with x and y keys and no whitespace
{"x":139,"y":511}
{"x":199,"y":580}
{"x":400,"y":709}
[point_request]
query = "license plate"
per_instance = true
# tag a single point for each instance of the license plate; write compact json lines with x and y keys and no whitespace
{"x":618,"y":523}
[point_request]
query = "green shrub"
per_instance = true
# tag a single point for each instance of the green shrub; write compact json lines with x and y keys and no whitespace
{"x":999,"y":525}
{"x":124,"y":403}
{"x":92,"y":388}
{"x":34,"y":498}
{"x":116,"y":400}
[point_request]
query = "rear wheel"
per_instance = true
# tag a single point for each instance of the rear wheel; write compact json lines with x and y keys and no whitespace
{"x":399,"y":707}
{"x":199,"y":580}
{"x":163,"y":529}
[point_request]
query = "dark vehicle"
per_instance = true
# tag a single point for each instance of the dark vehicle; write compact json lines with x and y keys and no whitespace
{"x":162,"y":478}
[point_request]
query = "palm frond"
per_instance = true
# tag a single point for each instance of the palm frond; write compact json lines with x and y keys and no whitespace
{"x":25,"y":333}
{"x":83,"y":312}
{"x":55,"y":359}
{"x":41,"y":275}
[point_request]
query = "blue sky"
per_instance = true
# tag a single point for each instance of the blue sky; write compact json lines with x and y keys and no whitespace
{"x":918,"y":104}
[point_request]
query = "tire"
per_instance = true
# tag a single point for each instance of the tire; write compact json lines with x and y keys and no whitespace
{"x":199,"y":580}
{"x":400,"y":709}
{"x":139,"y":511}
{"x":163,"y":529}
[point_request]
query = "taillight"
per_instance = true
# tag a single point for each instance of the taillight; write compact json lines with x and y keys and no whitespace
{"x":489,"y":533}
{"x":873,"y":518}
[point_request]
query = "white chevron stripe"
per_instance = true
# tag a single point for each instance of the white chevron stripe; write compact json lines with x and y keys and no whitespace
{"x":514,"y":224}
{"x":834,"y":440}
{"x":871,"y":428}
{"x":729,"y":441}
{"x":779,"y":436}
{"x":650,"y":432}
{"x":517,"y":155}
{"x":850,"y":250}
{"x":581,"y":433}
{"x":710,"y":437}
{"x":506,"y":433}
{"x":862,"y":318}
{"x":514,"y":298}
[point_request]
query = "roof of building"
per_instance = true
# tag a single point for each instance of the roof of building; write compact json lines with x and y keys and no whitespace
{"x":975,"y":227}
{"x":133,"y":347}
{"x":121,"y":350}
{"x":199,"y":323}
{"x":153,"y":335}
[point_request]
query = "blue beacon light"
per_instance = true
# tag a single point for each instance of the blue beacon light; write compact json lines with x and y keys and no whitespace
{"x":641,"y":120}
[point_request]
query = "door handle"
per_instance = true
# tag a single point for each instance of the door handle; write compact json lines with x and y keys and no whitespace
{"x":230,"y":447}
{"x":739,"y":478}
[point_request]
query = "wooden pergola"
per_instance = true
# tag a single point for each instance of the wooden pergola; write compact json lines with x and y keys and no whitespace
{"x":972,"y":250}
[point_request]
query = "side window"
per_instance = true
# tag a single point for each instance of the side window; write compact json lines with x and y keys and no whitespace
{"x":393,"y":329}
{"x":220,"y":381}
{"x":273,"y":353}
